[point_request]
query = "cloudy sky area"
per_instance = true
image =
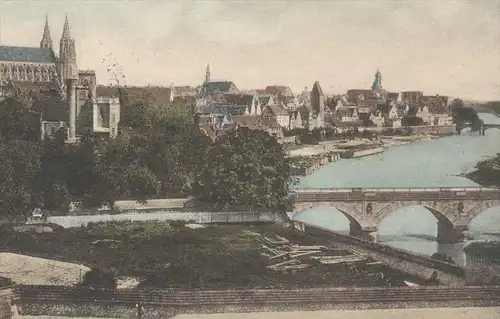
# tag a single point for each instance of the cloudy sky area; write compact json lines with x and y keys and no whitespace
{"x":442,"y":46}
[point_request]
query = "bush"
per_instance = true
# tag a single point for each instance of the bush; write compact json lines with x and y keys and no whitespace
{"x":96,"y":278}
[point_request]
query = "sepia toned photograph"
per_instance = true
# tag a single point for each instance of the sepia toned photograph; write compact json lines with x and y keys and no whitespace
{"x":250,"y":159}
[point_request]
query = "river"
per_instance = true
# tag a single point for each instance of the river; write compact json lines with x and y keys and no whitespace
{"x":431,"y":163}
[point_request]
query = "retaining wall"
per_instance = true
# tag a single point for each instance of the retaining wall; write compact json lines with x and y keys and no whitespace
{"x":166,"y":303}
{"x":164,"y":215}
{"x":410,"y":263}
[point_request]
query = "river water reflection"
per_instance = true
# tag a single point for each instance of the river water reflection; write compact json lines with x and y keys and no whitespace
{"x":432,"y":163}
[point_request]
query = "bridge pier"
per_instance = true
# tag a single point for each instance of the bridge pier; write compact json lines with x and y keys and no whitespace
{"x":366,"y":233}
{"x":450,"y":235}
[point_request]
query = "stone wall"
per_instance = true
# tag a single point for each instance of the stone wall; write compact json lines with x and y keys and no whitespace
{"x":480,"y":271}
{"x":164,"y":215}
{"x":412,"y":264}
{"x":434,"y":130}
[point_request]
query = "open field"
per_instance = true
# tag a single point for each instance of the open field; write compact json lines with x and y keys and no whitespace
{"x":168,"y":254}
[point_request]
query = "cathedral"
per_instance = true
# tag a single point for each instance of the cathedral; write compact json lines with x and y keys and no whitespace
{"x":58,"y":75}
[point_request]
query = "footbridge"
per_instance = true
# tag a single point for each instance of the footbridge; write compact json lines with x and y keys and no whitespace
{"x":365,"y":208}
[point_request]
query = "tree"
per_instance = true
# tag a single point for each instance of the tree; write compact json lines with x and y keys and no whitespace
{"x":461,"y":113}
{"x":19,"y":156}
{"x":53,"y":191}
{"x":412,"y":121}
{"x":19,"y":164}
{"x":245,"y":168}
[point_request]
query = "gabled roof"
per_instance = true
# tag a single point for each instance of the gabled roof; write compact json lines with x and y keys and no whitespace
{"x":317,"y":88}
{"x":26,"y":54}
{"x":280,"y":90}
{"x":215,"y":87}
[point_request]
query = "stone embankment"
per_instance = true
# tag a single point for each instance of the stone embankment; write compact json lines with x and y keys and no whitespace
{"x":307,"y":165}
{"x":407,"y":262}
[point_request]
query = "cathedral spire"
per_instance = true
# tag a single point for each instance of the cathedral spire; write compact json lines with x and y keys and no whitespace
{"x":46,"y":38}
{"x":66,"y":34}
{"x":207,"y":74}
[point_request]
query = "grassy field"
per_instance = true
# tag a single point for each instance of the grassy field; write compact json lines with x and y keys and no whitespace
{"x":165,"y":254}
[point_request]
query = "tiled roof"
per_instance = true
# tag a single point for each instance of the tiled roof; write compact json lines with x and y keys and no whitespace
{"x":217,"y":87}
{"x":158,"y":94}
{"x":254,"y":122}
{"x":280,"y":90}
{"x":26,"y":54}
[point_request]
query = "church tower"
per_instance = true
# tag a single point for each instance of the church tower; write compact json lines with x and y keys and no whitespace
{"x":46,"y":42}
{"x":68,"y":68}
{"x":377,"y":83}
{"x":207,"y":74}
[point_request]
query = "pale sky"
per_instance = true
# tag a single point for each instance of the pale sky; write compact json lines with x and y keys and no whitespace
{"x":436,"y":46}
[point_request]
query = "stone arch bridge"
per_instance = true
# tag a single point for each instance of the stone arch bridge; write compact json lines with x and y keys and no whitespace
{"x":365,"y":208}
{"x":481,"y":129}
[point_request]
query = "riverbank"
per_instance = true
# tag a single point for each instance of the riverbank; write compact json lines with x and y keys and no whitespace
{"x":169,"y":254}
{"x":306,"y":160}
{"x":486,"y":173}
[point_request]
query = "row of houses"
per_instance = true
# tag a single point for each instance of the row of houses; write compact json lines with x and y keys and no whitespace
{"x":276,"y":108}
{"x":366,"y":108}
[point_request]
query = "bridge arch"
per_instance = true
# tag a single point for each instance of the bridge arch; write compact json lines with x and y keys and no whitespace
{"x":357,"y":221}
{"x":479,"y":209}
{"x":435,"y":208}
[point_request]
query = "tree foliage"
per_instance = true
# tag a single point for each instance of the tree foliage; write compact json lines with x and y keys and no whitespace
{"x":412,"y":121}
{"x":160,"y":152}
{"x":244,"y":168}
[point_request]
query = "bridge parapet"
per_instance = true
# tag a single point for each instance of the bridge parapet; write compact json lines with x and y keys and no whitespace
{"x":384,"y":194}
